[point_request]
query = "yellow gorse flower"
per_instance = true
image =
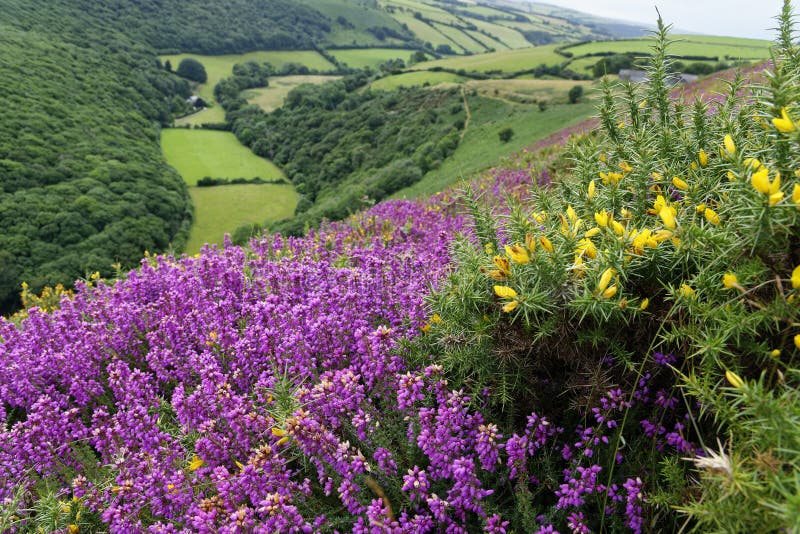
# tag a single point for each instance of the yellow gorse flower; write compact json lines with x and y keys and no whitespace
{"x":784,"y":124}
{"x":686,"y":291}
{"x":796,"y":195}
{"x":511,"y":306}
{"x":774,"y":198}
{"x":679,"y":184}
{"x":645,"y":303}
{"x":797,"y":341}
{"x":601,"y":218}
{"x":668,"y":217}
{"x":761,"y":182}
{"x":605,"y":279}
{"x":730,"y":281}
{"x":702,"y":157}
{"x":517,"y":253}
{"x":530,"y":243}
{"x":734,"y":379}
{"x":591,"y":190}
{"x":592,"y":232}
{"x":571,"y":215}
{"x":796,"y":277}
{"x":610,"y":292}
{"x":505,"y":292}
{"x":586,"y":248}
{"x":711,"y":216}
{"x":195,"y":463}
{"x":502,"y":265}
{"x":730,"y":146}
{"x":752,"y":163}
{"x":546,"y":244}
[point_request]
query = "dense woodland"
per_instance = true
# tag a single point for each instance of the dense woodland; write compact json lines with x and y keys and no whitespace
{"x":84,"y":184}
{"x":342,"y":147}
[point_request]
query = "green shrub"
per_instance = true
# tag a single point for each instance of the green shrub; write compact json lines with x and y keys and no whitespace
{"x":191,"y":69}
{"x":676,"y":232}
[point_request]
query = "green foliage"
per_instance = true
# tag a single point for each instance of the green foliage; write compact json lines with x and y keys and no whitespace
{"x":193,"y":70}
{"x":342,"y":149}
{"x":84,"y":185}
{"x":180,"y":25}
{"x":505,"y":134}
{"x":668,"y":235}
{"x":575,"y":94}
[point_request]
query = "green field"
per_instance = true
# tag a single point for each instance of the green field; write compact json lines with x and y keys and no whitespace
{"x":409,"y":79}
{"x":423,"y":30}
{"x":213,"y":114}
{"x":481,"y":147}
{"x":428,"y":11}
{"x":488,"y":42}
{"x":511,"y":37}
{"x":224,"y":208}
{"x":460,"y":38}
{"x":360,"y":58}
{"x":684,"y":45}
{"x":199,"y":153}
{"x":505,"y":61}
{"x":553,"y":91}
{"x":272,"y":97}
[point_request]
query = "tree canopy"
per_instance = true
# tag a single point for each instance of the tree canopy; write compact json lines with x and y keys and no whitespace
{"x":193,"y":70}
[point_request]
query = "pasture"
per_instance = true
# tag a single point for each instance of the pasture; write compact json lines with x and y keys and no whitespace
{"x":481,"y":148}
{"x":423,"y":30}
{"x":683,"y":45}
{"x":360,"y":58}
{"x":272,"y":97}
{"x":414,"y":78}
{"x":199,"y":153}
{"x":507,"y":61}
{"x":222,"y":209}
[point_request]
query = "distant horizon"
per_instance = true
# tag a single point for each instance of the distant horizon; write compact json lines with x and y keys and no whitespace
{"x":731,"y":18}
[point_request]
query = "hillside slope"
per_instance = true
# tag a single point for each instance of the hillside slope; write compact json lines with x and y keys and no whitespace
{"x":83,"y":185}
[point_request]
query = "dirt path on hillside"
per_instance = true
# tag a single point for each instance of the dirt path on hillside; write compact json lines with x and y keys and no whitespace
{"x":467,"y":113}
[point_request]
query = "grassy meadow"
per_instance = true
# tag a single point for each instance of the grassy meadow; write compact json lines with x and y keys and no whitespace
{"x":410,"y":79}
{"x":272,"y":97}
{"x":505,"y":61}
{"x":221,"y":209}
{"x":199,"y":153}
{"x":361,"y":58}
{"x":224,"y":208}
{"x":423,"y":30}
{"x":683,"y":45}
{"x":481,"y":147}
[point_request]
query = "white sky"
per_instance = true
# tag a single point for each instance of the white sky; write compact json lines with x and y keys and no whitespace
{"x":739,"y":18}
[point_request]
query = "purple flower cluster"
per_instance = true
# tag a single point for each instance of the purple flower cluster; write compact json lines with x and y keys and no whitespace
{"x":182,"y":396}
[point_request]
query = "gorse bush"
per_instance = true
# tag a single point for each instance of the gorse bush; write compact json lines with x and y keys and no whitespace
{"x":676,"y":234}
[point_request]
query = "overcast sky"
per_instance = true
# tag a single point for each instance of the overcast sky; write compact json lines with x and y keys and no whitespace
{"x":740,"y":18}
